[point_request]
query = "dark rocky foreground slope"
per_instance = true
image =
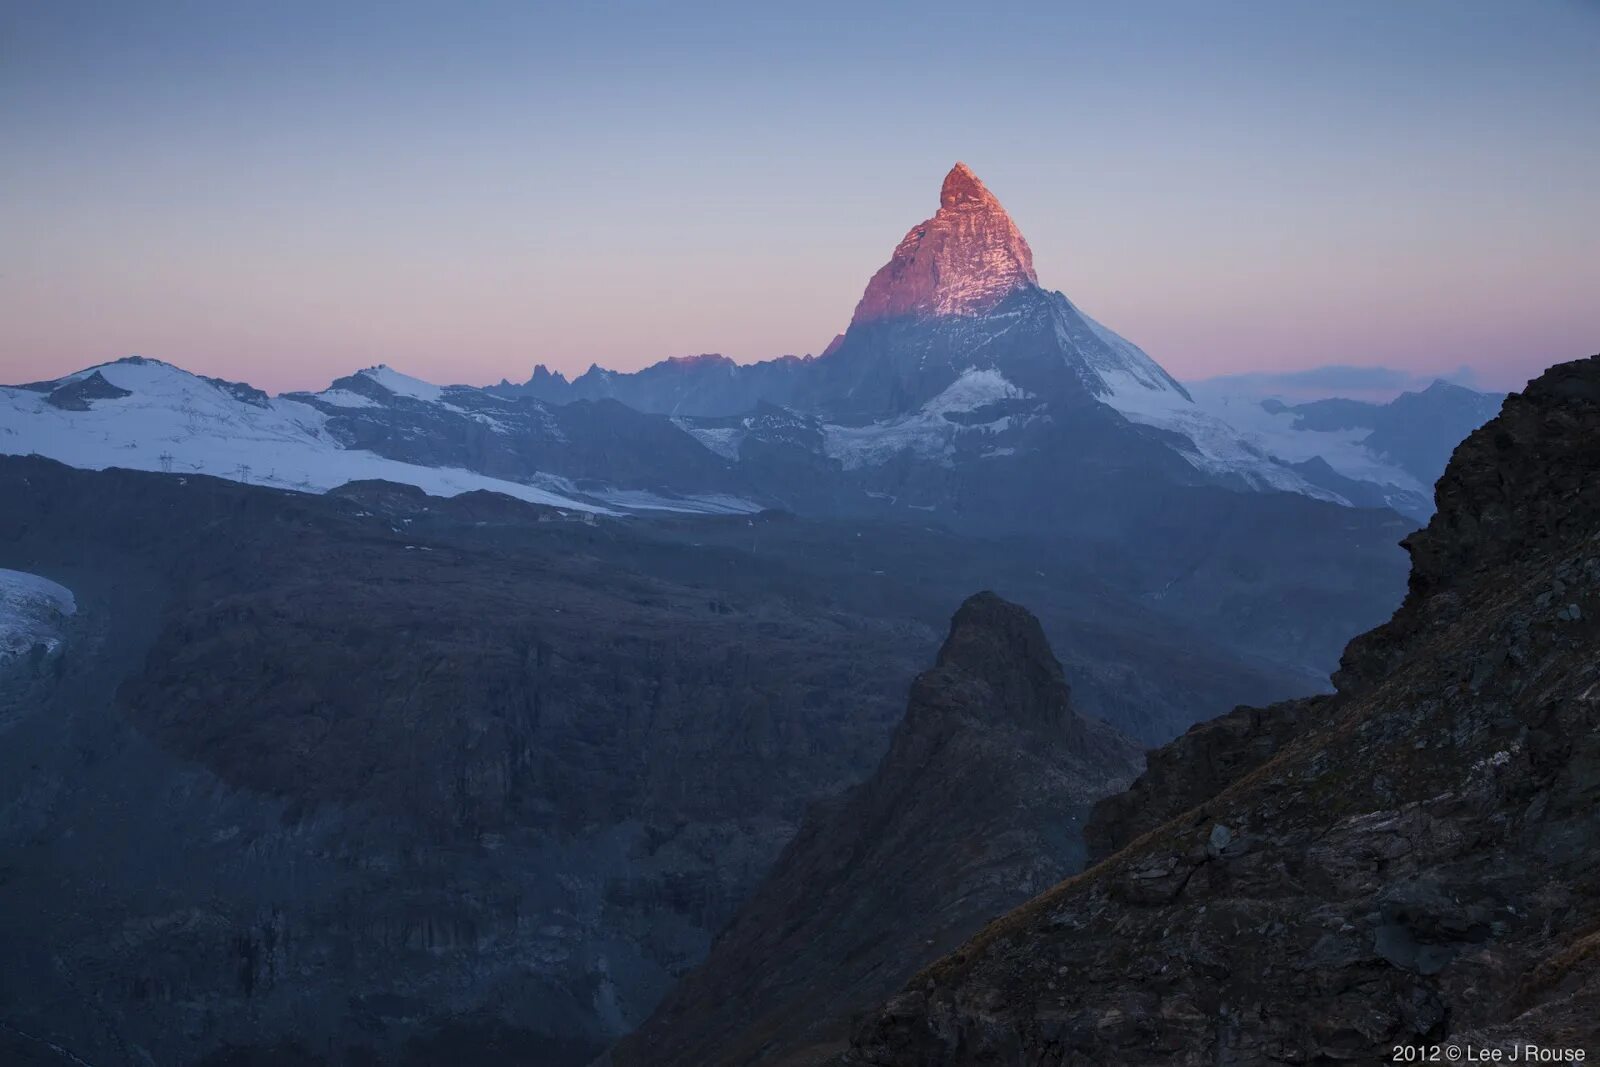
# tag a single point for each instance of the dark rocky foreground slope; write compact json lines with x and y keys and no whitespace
{"x":1414,"y":860}
{"x":978,"y":804}
{"x":381,"y":775}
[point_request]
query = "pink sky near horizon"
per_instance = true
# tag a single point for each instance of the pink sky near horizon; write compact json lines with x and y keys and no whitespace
{"x":1254,"y":309}
{"x":281,"y":197}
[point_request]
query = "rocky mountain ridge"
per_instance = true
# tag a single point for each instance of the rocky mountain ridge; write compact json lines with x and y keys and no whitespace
{"x":1409,"y":862}
{"x":978,"y":803}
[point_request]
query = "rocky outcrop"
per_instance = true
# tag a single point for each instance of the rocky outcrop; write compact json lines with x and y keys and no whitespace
{"x":1414,"y":864}
{"x":978,"y":804}
{"x":79,"y":393}
{"x":1183,"y":774}
{"x":1515,"y":486}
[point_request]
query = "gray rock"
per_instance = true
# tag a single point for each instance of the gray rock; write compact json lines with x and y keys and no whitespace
{"x":1221,"y":837}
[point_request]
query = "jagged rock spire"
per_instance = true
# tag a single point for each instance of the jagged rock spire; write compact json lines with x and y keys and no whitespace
{"x":963,"y":261}
{"x":961,"y":186}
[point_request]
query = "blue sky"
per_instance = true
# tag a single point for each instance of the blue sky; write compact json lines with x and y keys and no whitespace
{"x":281,"y":193}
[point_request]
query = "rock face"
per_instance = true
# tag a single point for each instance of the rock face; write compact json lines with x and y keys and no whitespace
{"x":1192,"y":769}
{"x":466,"y":780}
{"x":963,"y":261}
{"x":77,"y":395}
{"x":1411,"y":861}
{"x":978,"y":804}
{"x":399,"y":779}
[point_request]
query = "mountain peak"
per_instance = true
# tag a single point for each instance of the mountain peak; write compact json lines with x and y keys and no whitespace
{"x":1001,"y":644}
{"x":961,"y":186}
{"x":963,"y":261}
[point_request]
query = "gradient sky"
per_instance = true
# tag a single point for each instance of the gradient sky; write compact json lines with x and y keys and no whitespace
{"x":281,"y":193}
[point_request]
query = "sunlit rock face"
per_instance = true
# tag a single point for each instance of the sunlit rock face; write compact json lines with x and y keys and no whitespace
{"x":963,"y":261}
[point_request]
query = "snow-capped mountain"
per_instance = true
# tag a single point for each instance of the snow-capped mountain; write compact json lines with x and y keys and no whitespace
{"x":961,"y":386}
{"x":376,"y":424}
{"x":956,"y":353}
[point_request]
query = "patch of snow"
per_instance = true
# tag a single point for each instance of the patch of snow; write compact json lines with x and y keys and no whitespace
{"x":1104,"y":359}
{"x":1217,"y":447}
{"x":344,"y":398}
{"x":487,"y":420}
{"x":723,"y":440}
{"x":689,"y":503}
{"x":403,"y":384}
{"x":32,"y":610}
{"x":973,"y":390}
{"x":925,"y":432}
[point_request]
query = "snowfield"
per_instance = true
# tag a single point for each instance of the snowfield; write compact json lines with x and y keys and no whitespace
{"x":403,"y":384}
{"x":1236,"y":435}
{"x":1277,"y":434}
{"x":178,"y":422}
{"x":1232,"y":436}
{"x":1218,"y":447}
{"x":723,"y":440}
{"x":925,"y":431}
{"x":32,"y":611}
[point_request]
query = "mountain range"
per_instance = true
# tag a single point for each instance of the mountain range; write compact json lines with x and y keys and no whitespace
{"x":961,"y":387}
{"x":410,"y":723}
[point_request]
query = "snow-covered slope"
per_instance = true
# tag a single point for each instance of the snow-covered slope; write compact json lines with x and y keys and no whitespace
{"x":975,"y":403}
{"x":171,"y":420}
{"x":1283,"y":446}
{"x":1282,"y":434}
{"x":32,"y":610}
{"x":1108,"y":363}
{"x":981,"y":402}
{"x":1236,"y":437}
{"x":382,"y":424}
